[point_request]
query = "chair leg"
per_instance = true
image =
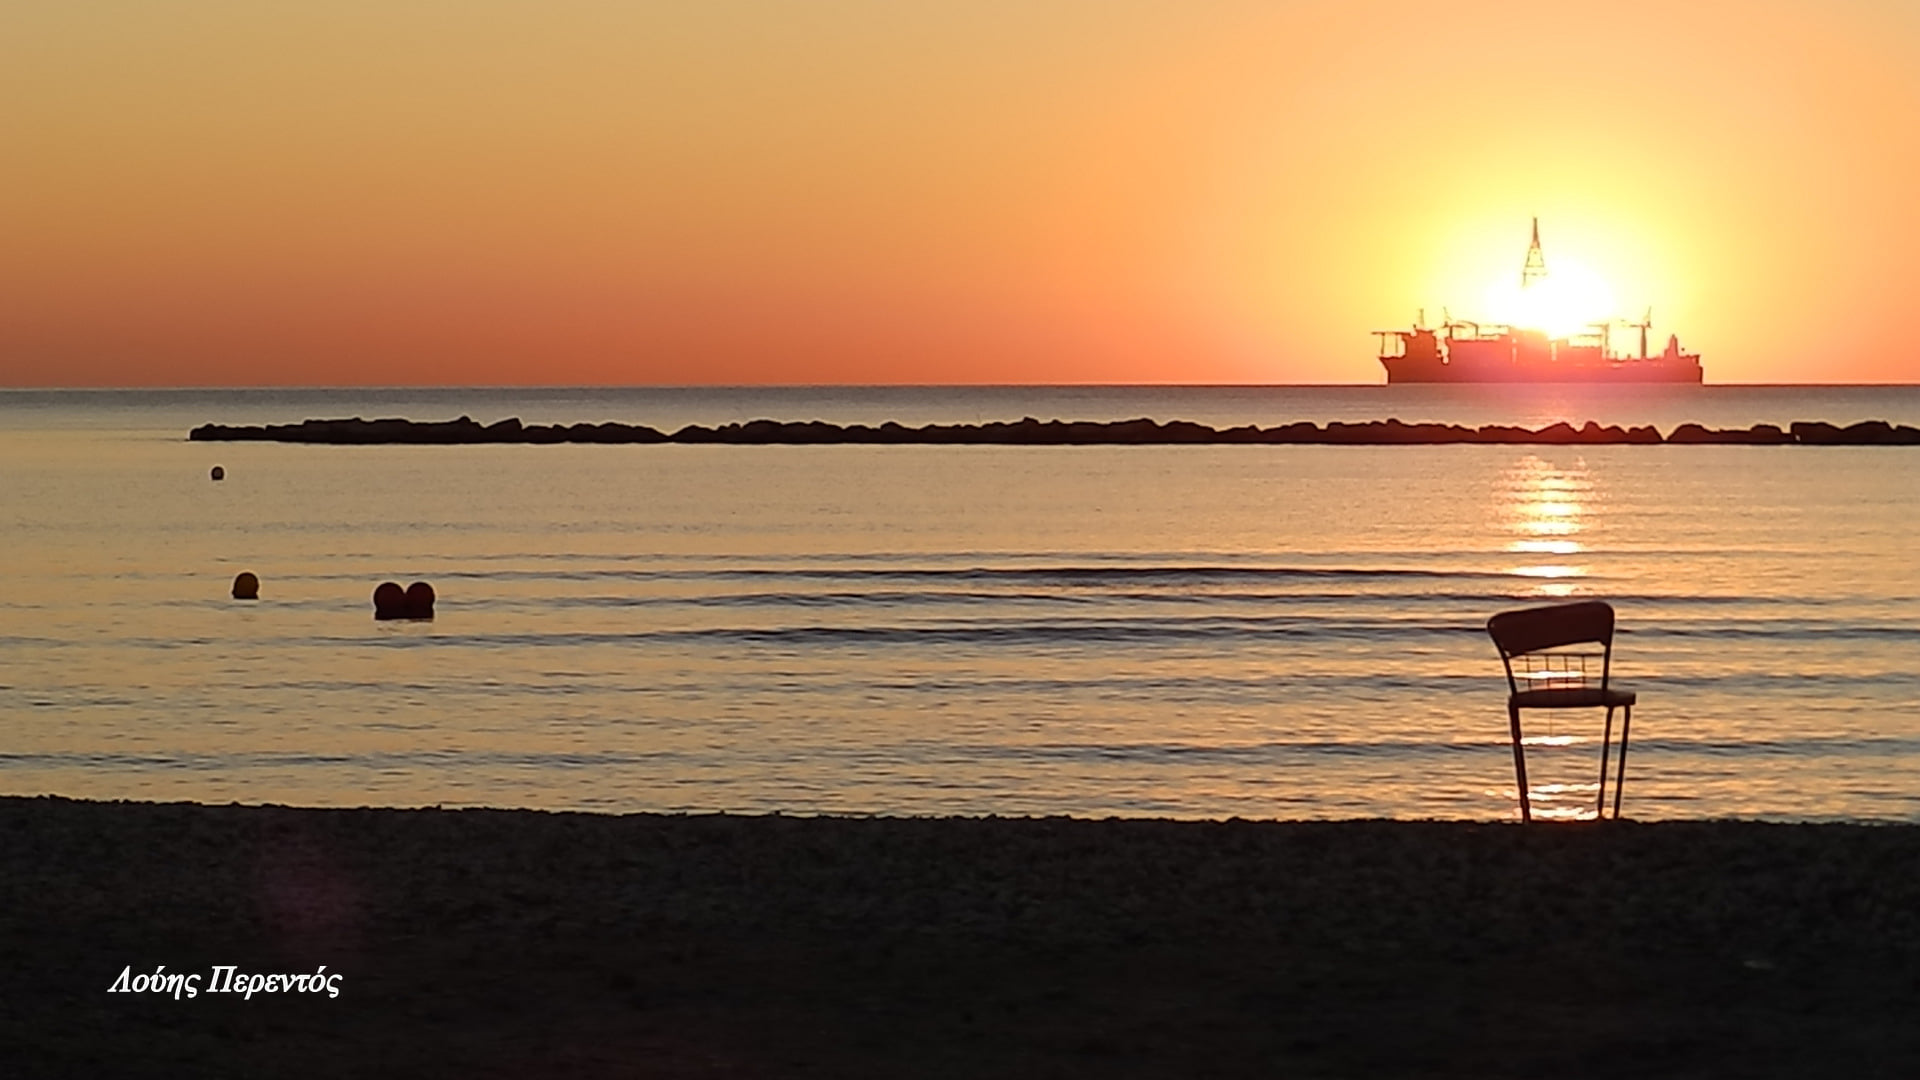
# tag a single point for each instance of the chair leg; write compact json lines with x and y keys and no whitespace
{"x":1606,"y":739}
{"x":1519,"y":764}
{"x":1620,"y":780}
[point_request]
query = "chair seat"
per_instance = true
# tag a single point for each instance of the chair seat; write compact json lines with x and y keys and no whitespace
{"x":1570,"y":698}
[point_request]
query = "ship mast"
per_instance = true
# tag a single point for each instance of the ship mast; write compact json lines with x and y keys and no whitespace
{"x":1535,"y":271}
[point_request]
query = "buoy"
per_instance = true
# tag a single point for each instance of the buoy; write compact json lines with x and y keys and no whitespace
{"x":419,"y":600}
{"x":389,"y":601}
{"x":219,"y":473}
{"x":245,"y":586}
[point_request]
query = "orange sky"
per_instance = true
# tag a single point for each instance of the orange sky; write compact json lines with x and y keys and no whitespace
{"x":241,"y":192}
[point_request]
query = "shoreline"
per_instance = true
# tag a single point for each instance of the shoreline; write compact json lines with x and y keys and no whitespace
{"x":513,"y":942}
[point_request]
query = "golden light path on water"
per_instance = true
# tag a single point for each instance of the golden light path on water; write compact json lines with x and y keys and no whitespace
{"x":1549,"y":509}
{"x":1546,"y":511}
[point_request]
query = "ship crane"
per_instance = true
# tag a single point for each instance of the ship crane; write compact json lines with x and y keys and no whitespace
{"x":1535,"y":270}
{"x":1646,"y":321}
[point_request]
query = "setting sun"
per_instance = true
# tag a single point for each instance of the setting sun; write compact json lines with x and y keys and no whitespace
{"x":1562,"y":298}
{"x":1058,"y":192}
{"x":1568,"y":299}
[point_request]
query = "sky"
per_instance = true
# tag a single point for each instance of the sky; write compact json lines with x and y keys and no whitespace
{"x":503,"y":192}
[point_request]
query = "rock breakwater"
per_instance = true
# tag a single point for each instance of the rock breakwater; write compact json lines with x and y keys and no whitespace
{"x":1032,"y":432}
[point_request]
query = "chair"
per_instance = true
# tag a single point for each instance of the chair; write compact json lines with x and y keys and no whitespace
{"x":1544,"y":672}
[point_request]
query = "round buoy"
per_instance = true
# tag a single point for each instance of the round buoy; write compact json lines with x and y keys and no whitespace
{"x":246,"y":586}
{"x":219,"y":473}
{"x":419,"y":600}
{"x":389,"y":601}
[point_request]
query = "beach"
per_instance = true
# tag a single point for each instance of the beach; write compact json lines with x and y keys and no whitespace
{"x":520,"y":943}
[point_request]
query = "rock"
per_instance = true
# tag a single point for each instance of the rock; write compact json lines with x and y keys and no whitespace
{"x":1814,"y":433}
{"x":245,"y":585}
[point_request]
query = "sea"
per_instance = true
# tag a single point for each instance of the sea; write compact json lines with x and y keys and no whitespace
{"x":1136,"y":631}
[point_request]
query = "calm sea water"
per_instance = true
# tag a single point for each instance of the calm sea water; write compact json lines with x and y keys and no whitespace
{"x":1281,"y":631}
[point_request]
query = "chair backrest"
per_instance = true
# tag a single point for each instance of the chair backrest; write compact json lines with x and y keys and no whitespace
{"x":1536,"y":630}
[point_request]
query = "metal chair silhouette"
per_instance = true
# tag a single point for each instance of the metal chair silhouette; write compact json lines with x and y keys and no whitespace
{"x":1544,"y":671}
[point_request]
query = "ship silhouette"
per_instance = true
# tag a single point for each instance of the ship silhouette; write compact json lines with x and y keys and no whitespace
{"x":1463,"y":351}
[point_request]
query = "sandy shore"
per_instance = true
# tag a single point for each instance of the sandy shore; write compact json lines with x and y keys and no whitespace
{"x":512,"y":943}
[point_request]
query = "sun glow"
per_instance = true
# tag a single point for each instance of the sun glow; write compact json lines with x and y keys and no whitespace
{"x":1569,"y":300}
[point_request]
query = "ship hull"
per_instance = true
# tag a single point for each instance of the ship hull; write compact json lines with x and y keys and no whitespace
{"x":1629,"y":371}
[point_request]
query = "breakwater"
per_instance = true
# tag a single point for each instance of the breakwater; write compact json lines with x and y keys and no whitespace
{"x":1031,"y":432}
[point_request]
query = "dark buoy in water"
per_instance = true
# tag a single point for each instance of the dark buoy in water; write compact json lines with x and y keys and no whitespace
{"x":219,"y":473}
{"x":419,"y":600}
{"x":245,"y":586}
{"x":389,"y":601}
{"x":415,"y":601}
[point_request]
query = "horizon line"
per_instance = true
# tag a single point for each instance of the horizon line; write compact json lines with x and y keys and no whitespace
{"x":925,"y":386}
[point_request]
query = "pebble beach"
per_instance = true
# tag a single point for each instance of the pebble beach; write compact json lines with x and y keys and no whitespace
{"x":520,"y":943}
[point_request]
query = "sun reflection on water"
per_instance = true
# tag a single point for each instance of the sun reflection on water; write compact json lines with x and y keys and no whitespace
{"x":1546,"y":547}
{"x":1547,"y":506}
{"x":1553,"y":740}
